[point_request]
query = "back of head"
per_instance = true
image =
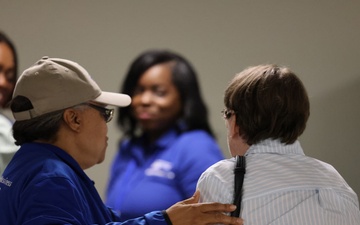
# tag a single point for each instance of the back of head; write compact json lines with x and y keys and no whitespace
{"x":269,"y":102}
{"x":185,"y":80}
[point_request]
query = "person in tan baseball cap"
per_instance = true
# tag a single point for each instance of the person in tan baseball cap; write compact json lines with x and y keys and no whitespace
{"x":60,"y":123}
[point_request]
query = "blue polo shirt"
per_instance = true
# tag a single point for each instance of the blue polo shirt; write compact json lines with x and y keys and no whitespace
{"x":44,"y":185}
{"x":145,"y":178}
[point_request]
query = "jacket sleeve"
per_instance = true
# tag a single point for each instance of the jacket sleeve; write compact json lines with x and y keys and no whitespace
{"x":58,"y":201}
{"x":152,"y":218}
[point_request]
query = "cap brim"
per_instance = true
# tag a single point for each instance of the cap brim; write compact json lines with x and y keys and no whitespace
{"x":115,"y":99}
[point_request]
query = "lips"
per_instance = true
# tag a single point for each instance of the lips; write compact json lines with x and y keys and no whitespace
{"x":144,"y":115}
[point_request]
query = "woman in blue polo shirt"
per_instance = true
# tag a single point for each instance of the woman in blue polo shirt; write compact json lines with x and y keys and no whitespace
{"x":167,"y":140}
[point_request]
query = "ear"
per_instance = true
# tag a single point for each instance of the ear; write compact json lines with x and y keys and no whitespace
{"x":72,"y":118}
{"x":233,"y":127}
{"x":238,"y":140}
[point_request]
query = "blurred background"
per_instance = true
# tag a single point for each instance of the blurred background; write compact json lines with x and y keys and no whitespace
{"x":318,"y":40}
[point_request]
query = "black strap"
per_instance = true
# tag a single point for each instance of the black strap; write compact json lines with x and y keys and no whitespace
{"x":239,"y":172}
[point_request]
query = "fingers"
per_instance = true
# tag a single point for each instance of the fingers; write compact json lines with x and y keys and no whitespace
{"x":214,"y":213}
{"x":216,"y":207}
{"x":190,"y":211}
{"x":224,"y":219}
{"x":217,"y":218}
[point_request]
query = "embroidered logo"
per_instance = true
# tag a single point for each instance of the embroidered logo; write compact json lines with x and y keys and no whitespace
{"x":5,"y":181}
{"x":161,"y":168}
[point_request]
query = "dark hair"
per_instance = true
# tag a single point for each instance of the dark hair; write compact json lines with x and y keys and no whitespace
{"x":269,"y":102}
{"x":44,"y":127}
{"x":5,"y":39}
{"x":194,"y":113}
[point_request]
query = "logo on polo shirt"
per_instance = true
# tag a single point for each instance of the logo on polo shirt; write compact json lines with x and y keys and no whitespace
{"x":5,"y":181}
{"x":161,"y":168}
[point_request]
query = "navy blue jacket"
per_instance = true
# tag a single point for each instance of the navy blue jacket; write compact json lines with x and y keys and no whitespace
{"x":45,"y":185}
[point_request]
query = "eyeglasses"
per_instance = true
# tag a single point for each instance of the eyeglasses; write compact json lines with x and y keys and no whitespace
{"x":105,"y":112}
{"x":227,"y":113}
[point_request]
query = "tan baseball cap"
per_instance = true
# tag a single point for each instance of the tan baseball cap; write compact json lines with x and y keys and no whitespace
{"x":52,"y":84}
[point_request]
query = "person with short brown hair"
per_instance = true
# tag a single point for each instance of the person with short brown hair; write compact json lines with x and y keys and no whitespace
{"x":266,"y":110}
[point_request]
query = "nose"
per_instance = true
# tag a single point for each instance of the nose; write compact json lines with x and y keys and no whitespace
{"x":3,"y":80}
{"x":146,"y":97}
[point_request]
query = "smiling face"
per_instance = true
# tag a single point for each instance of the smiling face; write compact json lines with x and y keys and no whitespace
{"x":7,"y":73}
{"x":156,"y":102}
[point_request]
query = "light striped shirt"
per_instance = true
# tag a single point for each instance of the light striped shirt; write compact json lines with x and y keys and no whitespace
{"x":282,"y":186}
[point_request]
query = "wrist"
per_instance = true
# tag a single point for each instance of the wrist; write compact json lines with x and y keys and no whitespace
{"x":166,"y":217}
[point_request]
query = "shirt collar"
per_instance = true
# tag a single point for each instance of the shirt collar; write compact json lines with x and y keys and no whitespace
{"x":165,"y":140}
{"x":275,"y":147}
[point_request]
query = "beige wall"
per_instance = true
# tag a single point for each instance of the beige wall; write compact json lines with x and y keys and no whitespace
{"x":320,"y":40}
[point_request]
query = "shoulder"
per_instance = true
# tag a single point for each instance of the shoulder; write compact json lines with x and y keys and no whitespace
{"x":220,"y":172}
{"x":332,"y":176}
{"x":196,"y":134}
{"x":223,"y":168}
{"x":217,"y":182}
{"x":38,"y":162}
